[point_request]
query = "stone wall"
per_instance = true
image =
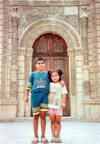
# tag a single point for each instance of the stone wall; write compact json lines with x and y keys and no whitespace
{"x":92,"y":103}
{"x":1,"y":39}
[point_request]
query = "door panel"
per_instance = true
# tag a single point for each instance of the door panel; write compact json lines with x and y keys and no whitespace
{"x":54,"y":50}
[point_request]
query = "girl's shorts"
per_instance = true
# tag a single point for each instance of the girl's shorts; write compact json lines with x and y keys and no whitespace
{"x":39,"y":102}
{"x":55,"y":111}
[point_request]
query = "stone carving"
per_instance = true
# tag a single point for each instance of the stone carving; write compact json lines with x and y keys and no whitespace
{"x":23,"y":22}
{"x":87,"y":87}
{"x":31,"y":14}
{"x":84,"y":22}
{"x":44,"y":26}
{"x":29,"y":51}
{"x":13,"y":89}
{"x":83,"y":11}
{"x":15,"y":17}
{"x":22,"y":51}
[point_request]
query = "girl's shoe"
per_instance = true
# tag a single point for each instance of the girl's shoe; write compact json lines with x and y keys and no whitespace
{"x":44,"y":140}
{"x":53,"y":140}
{"x":58,"y":140}
{"x":35,"y":140}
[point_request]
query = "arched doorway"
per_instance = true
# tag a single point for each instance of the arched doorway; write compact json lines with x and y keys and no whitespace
{"x":54,"y":49}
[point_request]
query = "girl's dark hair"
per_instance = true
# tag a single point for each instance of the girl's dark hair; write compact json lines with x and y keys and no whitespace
{"x":55,"y":70}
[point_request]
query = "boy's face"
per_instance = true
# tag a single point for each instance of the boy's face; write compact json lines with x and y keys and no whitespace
{"x":40,"y":65}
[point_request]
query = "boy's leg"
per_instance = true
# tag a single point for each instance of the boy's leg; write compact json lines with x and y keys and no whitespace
{"x":43,"y":111}
{"x":43,"y":123}
{"x":35,"y":101}
{"x":35,"y":125}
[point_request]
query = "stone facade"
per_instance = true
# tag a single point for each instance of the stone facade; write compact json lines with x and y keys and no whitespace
{"x":78,"y":23}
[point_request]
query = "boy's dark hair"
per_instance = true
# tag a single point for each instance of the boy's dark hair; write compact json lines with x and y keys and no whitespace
{"x":55,"y":70}
{"x":39,"y":59}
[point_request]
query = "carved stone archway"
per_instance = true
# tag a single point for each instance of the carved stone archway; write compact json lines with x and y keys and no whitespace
{"x":75,"y":52}
{"x":59,"y":27}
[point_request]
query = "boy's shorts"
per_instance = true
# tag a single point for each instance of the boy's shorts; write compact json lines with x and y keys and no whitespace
{"x":39,"y":102}
{"x":55,"y":111}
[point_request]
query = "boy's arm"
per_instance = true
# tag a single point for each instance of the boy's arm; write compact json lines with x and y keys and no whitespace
{"x":28,"y":87}
{"x":26,"y":95}
{"x":62,"y":83}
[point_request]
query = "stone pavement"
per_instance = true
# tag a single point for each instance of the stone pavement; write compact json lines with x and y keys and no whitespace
{"x":72,"y":132}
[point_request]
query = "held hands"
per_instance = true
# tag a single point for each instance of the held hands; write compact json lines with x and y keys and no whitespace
{"x":62,"y":83}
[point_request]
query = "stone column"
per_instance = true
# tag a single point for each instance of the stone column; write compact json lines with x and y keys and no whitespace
{"x":79,"y":82}
{"x":84,"y":27}
{"x":14,"y":64}
{"x":72,"y":79}
{"x":84,"y":20}
{"x":21,"y":80}
{"x":4,"y":22}
{"x":28,"y":70}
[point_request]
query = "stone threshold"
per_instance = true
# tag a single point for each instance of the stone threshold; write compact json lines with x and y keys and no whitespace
{"x":64,"y":118}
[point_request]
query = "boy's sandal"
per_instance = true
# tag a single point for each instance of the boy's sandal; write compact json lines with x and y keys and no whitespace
{"x":35,"y":140}
{"x":44,"y":140}
{"x":53,"y":140}
{"x":58,"y":140}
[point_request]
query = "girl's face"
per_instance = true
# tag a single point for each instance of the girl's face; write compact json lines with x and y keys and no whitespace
{"x":55,"y":77}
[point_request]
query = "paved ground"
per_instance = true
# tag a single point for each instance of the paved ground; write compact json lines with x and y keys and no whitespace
{"x":72,"y":132}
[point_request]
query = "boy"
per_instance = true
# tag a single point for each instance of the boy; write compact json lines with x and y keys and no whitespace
{"x":39,"y":83}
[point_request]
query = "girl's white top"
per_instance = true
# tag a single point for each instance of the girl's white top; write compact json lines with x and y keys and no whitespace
{"x":55,"y":95}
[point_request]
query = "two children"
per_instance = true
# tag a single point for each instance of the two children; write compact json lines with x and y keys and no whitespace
{"x":39,"y":83}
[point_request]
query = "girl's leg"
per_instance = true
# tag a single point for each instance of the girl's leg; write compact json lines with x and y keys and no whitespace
{"x":53,"y":120}
{"x":35,"y":125}
{"x":43,"y":123}
{"x":58,"y":126}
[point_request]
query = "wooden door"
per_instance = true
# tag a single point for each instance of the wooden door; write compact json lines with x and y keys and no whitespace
{"x":54,"y":49}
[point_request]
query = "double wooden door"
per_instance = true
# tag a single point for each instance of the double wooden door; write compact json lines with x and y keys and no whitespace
{"x":54,"y":49}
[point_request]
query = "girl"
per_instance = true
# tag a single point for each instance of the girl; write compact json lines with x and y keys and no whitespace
{"x":56,"y":103}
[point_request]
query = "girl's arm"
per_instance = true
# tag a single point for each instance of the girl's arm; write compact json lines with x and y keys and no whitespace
{"x":63,"y":101}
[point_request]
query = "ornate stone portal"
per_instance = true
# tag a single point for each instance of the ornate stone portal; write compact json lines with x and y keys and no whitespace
{"x":75,"y":53}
